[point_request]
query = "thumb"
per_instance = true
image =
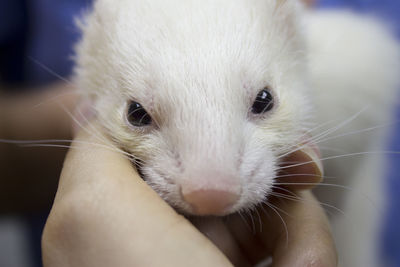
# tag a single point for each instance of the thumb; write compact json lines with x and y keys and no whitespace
{"x":302,"y":169}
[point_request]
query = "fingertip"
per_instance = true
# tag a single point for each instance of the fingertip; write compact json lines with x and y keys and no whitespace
{"x":303,"y":168}
{"x":324,"y":256}
{"x":310,"y":241}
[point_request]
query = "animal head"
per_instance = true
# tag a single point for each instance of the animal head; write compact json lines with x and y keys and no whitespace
{"x":206,"y":95}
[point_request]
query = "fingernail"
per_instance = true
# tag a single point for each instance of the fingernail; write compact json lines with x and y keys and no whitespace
{"x":313,"y":152}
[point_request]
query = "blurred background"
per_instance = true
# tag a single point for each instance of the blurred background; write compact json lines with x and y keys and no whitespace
{"x":36,"y":49}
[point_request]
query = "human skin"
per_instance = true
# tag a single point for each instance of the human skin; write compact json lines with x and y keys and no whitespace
{"x":104,"y":214}
{"x":76,"y":222}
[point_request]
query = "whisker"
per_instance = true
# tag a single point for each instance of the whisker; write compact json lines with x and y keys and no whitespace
{"x":50,"y":145}
{"x":117,"y":149}
{"x":340,"y":125}
{"x":21,"y":142}
{"x":96,"y":131}
{"x":50,"y":71}
{"x":66,"y":147}
{"x":41,"y":143}
{"x":244,"y":220}
{"x":319,"y":126}
{"x":347,"y":188}
{"x":55,"y":98}
{"x":135,"y":110}
{"x":297,"y":198}
{"x":324,"y":148}
{"x":326,"y":207}
{"x":281,"y":210}
{"x":142,"y":118}
{"x":259,"y":219}
{"x":316,"y":138}
{"x":100,"y":138}
{"x":283,"y":221}
{"x":285,"y":190}
{"x":304,"y":174}
{"x":319,"y":184}
{"x":344,"y":156}
{"x":252,"y":223}
{"x":358,"y":131}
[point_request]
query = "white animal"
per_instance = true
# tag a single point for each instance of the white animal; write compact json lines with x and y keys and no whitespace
{"x":208,"y":95}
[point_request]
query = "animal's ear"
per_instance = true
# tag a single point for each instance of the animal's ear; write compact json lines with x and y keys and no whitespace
{"x":287,"y":15}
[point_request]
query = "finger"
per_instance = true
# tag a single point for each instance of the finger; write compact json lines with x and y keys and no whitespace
{"x":308,"y":241}
{"x":216,"y":231}
{"x":245,"y":231}
{"x":105,"y":215}
{"x":294,"y":233}
{"x":301,"y":169}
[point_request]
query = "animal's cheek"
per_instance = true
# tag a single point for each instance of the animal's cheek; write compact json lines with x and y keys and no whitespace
{"x":257,"y":171}
{"x":257,"y":183}
{"x":165,"y":186}
{"x":214,"y":187}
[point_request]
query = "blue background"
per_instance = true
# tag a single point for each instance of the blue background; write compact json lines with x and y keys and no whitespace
{"x":389,"y":10}
{"x":44,"y":30}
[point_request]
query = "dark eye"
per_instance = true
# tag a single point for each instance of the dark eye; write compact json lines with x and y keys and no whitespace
{"x":137,"y":115}
{"x":264,"y":102}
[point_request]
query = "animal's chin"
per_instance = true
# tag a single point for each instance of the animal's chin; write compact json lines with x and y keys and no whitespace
{"x":190,"y":212}
{"x":201,"y":204}
{"x":214,"y":212}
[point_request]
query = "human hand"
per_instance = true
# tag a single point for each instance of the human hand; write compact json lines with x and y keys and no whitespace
{"x":29,"y":175}
{"x":104,"y":214}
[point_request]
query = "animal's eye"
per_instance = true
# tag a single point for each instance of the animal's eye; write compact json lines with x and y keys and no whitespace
{"x":264,"y":102}
{"x":137,"y":115}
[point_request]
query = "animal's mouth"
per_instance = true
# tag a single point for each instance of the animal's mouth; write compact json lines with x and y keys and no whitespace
{"x":301,"y":169}
{"x":201,"y":202}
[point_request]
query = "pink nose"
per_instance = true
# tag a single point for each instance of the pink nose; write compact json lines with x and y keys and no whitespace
{"x":210,"y":201}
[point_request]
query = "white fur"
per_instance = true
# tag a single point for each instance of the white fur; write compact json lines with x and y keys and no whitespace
{"x":197,"y":72}
{"x":197,"y":66}
{"x":355,"y":64}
